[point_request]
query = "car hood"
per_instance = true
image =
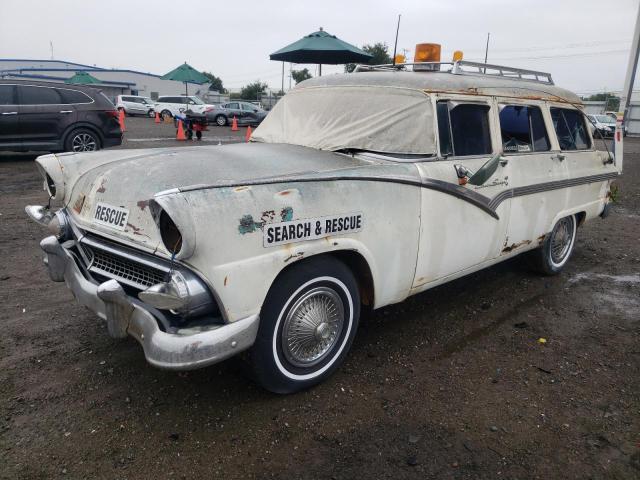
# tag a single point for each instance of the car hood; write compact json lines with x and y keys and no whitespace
{"x":130,"y":179}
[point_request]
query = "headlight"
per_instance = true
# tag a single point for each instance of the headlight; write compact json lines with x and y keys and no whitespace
{"x":171,"y":236}
{"x":59,"y":226}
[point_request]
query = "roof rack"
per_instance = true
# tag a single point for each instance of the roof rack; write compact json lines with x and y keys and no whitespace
{"x":465,"y":68}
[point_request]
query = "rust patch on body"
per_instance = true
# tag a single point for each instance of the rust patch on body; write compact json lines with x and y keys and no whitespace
{"x":513,"y":246}
{"x":541,"y":239}
{"x":240,"y":189}
{"x":137,"y":231}
{"x":101,"y":188}
{"x":142,"y":204}
{"x":284,"y":192}
{"x":294,"y":256}
{"x":225,"y":280}
{"x":77,"y":207}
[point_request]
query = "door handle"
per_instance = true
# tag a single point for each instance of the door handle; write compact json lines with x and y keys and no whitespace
{"x":66,"y":111}
{"x":503,"y":161}
{"x":9,"y":113}
{"x":560,"y":157}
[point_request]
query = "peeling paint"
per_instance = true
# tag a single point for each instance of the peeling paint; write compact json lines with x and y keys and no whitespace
{"x":225,"y":280}
{"x":101,"y":188}
{"x":248,"y":225}
{"x":286,"y":214}
{"x":268,"y":216}
{"x":240,"y":189}
{"x":541,"y":239}
{"x":142,"y":204}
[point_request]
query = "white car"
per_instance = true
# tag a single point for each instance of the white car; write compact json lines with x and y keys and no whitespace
{"x":356,"y":190}
{"x":176,"y":105}
{"x":604,"y":124}
{"x":135,"y":105}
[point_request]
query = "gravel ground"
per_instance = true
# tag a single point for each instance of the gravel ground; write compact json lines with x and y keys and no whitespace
{"x":452,"y":383}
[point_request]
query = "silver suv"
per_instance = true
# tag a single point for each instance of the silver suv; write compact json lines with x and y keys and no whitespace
{"x":135,"y":105}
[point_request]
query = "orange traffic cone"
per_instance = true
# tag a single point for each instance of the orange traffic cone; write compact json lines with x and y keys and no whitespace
{"x":121,"y":120}
{"x":234,"y":125}
{"x":157,"y":117}
{"x":180,"y":133}
{"x":247,"y":137}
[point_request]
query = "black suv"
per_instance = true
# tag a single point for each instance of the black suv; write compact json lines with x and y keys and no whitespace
{"x":56,"y":117}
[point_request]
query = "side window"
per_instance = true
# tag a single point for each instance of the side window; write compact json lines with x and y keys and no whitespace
{"x":233,"y":106}
{"x":74,"y":96}
{"x":7,"y":95}
{"x":570,"y":129}
{"x":463,"y":129}
{"x":522,"y":129}
{"x":30,"y":95}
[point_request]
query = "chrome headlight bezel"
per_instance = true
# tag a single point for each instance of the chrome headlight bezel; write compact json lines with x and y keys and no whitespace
{"x":60,"y":227}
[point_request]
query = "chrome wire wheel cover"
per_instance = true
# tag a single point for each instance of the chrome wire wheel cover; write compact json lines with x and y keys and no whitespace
{"x":562,"y":240}
{"x":312,"y":327}
{"x":83,"y":142}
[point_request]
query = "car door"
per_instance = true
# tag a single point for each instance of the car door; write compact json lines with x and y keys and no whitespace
{"x":44,"y":116}
{"x":233,"y":110}
{"x":249,"y":113}
{"x":9,"y":118}
{"x":536,"y":170}
{"x":459,"y":229}
{"x":586,"y":160}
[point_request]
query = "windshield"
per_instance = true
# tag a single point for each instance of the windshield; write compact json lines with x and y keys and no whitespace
{"x":605,"y":119}
{"x":196,"y":100}
{"x":375,"y":119}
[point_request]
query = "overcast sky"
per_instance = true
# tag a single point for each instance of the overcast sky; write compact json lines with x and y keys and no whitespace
{"x":584,"y":44}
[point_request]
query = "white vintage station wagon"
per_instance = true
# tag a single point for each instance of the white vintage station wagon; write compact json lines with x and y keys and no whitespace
{"x":357,"y":189}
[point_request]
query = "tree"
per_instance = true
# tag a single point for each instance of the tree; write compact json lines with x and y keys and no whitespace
{"x":612,"y":102}
{"x":300,"y":75}
{"x":216,"y":82}
{"x":379,"y":52}
{"x":253,"y":90}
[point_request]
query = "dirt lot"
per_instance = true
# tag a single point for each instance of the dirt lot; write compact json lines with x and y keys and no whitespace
{"x":452,"y":383}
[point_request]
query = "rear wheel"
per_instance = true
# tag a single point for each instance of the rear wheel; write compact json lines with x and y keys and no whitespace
{"x":82,"y":140}
{"x":307,"y":325}
{"x":151,"y":113}
{"x":558,"y":245}
{"x":221,"y":120}
{"x":166,"y":113}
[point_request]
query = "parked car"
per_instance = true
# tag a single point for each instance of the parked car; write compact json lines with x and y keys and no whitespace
{"x":175,"y":105}
{"x":135,"y":105}
{"x":614,"y":116}
{"x":604,"y":124}
{"x":357,"y":190}
{"x":245,"y":113}
{"x":55,"y":117}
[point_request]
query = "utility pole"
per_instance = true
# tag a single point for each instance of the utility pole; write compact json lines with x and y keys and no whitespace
{"x":51,"y":45}
{"x":282,"y":88}
{"x":625,"y":98}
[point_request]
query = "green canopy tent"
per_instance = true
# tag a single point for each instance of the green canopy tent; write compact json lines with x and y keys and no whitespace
{"x":187,"y":74}
{"x":83,"y":78}
{"x":321,"y":47}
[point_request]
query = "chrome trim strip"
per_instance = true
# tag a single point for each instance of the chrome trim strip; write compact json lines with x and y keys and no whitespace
{"x":547,"y":186}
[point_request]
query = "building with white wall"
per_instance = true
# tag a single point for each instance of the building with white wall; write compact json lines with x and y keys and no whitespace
{"x":113,"y":81}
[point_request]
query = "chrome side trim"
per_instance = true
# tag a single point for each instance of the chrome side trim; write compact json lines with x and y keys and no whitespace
{"x":547,"y":186}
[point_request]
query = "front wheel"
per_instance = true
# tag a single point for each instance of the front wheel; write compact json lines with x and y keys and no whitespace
{"x":558,"y":245}
{"x":151,"y":113}
{"x":82,"y":140}
{"x":307,"y":325}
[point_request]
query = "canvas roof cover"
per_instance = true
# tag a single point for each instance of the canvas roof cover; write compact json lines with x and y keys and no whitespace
{"x":377,"y":119}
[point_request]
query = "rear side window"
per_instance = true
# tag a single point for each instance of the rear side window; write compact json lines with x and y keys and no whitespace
{"x":522,"y":129}
{"x":74,"y":96}
{"x":6,"y":95}
{"x":570,"y":129}
{"x":463,"y":129}
{"x":31,"y":95}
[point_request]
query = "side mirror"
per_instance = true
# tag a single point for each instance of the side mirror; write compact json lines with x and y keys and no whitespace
{"x":485,"y":172}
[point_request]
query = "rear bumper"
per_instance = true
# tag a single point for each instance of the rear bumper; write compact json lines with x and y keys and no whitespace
{"x":184,"y":350}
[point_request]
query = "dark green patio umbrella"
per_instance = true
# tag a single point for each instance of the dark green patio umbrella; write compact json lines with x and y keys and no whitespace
{"x":187,"y":74}
{"x":320,"y":47}
{"x":82,"y":78}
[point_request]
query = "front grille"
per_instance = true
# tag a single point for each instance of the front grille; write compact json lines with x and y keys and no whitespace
{"x":130,"y":272}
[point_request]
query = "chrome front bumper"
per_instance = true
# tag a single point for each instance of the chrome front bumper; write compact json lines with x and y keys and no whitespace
{"x":126,"y":316}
